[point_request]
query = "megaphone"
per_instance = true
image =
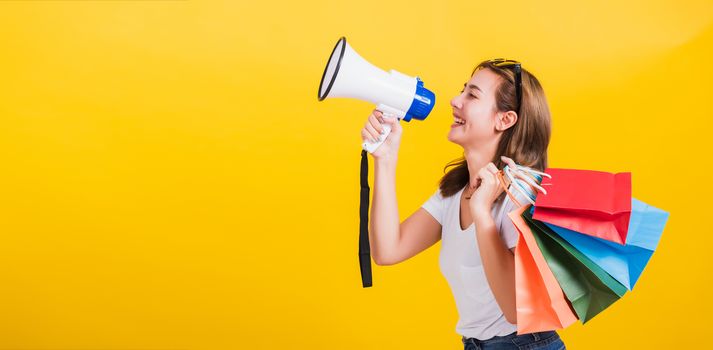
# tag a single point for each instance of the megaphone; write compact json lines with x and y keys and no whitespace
{"x":396,"y":94}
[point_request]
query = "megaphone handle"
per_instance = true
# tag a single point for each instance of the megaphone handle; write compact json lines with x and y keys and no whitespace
{"x":387,"y":112}
{"x":372,"y":146}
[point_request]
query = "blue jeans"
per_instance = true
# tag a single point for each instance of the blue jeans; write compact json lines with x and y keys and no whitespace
{"x":539,"y":340}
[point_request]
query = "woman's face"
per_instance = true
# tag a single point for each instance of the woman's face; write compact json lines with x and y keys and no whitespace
{"x":476,"y":106}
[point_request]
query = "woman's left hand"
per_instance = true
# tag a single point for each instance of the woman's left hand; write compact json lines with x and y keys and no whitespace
{"x":481,"y":202}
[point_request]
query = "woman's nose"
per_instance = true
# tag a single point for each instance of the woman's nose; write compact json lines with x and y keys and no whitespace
{"x":455,"y":102}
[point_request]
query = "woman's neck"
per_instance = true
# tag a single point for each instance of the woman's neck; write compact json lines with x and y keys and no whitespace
{"x":478,"y":158}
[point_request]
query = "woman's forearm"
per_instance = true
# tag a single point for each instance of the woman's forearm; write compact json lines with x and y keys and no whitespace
{"x":498,"y":263}
{"x":384,"y":222}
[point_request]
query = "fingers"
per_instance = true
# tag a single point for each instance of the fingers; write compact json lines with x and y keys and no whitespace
{"x":375,"y":122}
{"x":531,"y":180}
{"x":522,"y":176}
{"x":487,"y":175}
{"x":389,"y":120}
{"x":373,"y":128}
{"x":528,"y":178}
{"x":366,"y":136}
{"x":522,"y":179}
{"x":492,"y":168}
{"x":372,"y":131}
{"x":509,"y":162}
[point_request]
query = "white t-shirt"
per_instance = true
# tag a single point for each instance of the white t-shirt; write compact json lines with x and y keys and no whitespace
{"x":479,"y":314}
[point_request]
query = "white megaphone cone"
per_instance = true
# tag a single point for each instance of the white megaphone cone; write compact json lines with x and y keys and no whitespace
{"x":396,"y":95}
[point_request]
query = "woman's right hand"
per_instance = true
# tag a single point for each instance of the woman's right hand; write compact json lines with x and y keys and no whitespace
{"x":372,"y":131}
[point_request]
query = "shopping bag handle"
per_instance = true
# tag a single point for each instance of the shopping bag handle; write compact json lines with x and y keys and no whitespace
{"x":517,"y":175}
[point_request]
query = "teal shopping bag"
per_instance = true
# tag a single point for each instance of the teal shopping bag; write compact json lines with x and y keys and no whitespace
{"x":623,"y":262}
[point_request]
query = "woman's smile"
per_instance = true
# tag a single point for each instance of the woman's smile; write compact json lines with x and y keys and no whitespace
{"x":457,"y":121}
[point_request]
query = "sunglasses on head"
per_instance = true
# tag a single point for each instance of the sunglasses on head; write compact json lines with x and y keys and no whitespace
{"x":501,"y":62}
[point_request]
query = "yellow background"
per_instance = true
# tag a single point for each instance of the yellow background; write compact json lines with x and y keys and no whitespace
{"x":170,"y":181}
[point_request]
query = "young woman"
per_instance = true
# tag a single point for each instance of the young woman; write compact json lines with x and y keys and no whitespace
{"x":500,"y":116}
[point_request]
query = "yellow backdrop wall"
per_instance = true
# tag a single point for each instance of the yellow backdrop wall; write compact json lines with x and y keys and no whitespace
{"x":169,"y":180}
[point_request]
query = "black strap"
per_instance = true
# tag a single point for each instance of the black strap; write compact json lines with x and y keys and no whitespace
{"x":364,"y":252}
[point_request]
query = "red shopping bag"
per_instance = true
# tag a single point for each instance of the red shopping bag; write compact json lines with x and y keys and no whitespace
{"x":595,"y":203}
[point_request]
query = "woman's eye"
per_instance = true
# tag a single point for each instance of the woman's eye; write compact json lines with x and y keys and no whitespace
{"x":469,"y":94}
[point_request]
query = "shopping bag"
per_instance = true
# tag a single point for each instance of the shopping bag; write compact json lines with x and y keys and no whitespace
{"x":623,"y":262}
{"x":587,"y":286}
{"x":591,"y":202}
{"x":540,"y":302}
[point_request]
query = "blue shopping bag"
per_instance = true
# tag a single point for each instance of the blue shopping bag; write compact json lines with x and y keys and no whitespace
{"x":623,"y":262}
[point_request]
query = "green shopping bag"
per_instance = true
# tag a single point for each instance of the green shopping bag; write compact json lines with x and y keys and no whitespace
{"x":587,"y":286}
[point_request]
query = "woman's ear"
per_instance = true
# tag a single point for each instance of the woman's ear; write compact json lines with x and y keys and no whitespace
{"x":506,"y":120}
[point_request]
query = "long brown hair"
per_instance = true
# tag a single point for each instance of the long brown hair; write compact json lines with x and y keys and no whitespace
{"x":525,"y":142}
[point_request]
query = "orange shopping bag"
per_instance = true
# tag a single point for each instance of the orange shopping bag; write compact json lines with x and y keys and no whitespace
{"x":540,"y":302}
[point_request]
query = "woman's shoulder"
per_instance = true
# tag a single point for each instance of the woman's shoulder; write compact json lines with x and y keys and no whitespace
{"x":445,"y":195}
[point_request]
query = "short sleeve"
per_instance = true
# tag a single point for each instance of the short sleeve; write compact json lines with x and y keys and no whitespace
{"x":435,"y":206}
{"x":508,"y":231}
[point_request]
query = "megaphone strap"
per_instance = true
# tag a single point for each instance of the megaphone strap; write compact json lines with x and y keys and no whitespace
{"x":364,"y":249}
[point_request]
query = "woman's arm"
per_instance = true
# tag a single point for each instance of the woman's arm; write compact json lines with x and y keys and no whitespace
{"x":384,"y":223}
{"x":391,"y":242}
{"x":498,"y":260}
{"x":498,"y":263}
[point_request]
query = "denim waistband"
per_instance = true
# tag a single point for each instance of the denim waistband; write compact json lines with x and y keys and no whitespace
{"x":524,"y":338}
